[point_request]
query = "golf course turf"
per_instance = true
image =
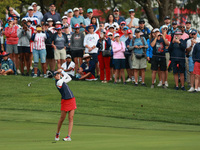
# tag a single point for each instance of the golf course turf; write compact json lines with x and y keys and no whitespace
{"x":108,"y":116}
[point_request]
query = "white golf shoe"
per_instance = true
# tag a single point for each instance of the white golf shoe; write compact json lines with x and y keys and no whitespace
{"x":67,"y":138}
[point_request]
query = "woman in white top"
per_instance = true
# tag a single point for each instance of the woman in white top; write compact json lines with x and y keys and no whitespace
{"x":110,"y":21}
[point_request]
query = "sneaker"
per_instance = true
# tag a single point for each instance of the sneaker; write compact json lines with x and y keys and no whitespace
{"x":191,"y":89}
{"x":140,"y":79}
{"x":18,"y":71}
{"x":35,"y":75}
{"x":136,"y":84}
{"x":155,"y":81}
{"x":195,"y":91}
{"x":198,"y":90}
{"x":143,"y":84}
{"x":67,"y":138}
{"x":183,"y":88}
{"x":115,"y":82}
{"x":119,"y":80}
{"x":133,"y":79}
{"x":166,"y":84}
{"x":45,"y":76}
{"x":152,"y":86}
{"x":31,"y":67}
{"x":159,"y":84}
{"x":25,"y":68}
{"x":176,"y":88}
{"x":128,"y":80}
{"x":57,"y":137}
{"x":124,"y":83}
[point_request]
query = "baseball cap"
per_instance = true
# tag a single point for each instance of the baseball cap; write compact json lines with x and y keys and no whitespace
{"x":115,"y":9}
{"x":123,"y":22}
{"x":156,"y":30}
{"x":116,"y":35}
{"x":5,"y":53}
{"x":188,"y":22}
{"x":178,"y":32}
{"x":58,"y":22}
{"x":10,"y":19}
{"x":89,"y":10}
{"x":30,"y":8}
{"x":65,"y":13}
{"x":137,"y":31}
{"x":109,"y":33}
{"x":68,"y":56}
{"x":64,"y":17}
{"x":34,"y":3}
{"x":111,"y":26}
{"x":129,"y":31}
{"x":174,"y":23}
{"x":69,"y":10}
{"x":75,"y":9}
{"x":141,"y":21}
{"x":131,"y":10}
{"x":49,"y":19}
{"x":125,"y":28}
{"x":167,"y":17}
{"x":194,"y":31}
{"x":164,"y":26}
{"x":76,"y":26}
{"x":24,"y":19}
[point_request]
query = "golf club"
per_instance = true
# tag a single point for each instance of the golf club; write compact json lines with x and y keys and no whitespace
{"x":48,"y":75}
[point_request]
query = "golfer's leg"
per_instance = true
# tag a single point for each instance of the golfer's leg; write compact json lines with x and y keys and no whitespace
{"x":62,"y":118}
{"x":70,"y":117}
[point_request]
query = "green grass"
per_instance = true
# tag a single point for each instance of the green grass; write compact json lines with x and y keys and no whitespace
{"x":108,"y":116}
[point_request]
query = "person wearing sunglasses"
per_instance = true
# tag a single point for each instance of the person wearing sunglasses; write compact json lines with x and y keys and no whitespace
{"x":184,"y":35}
{"x":132,"y":21}
{"x":146,"y":32}
{"x":190,"y":46}
{"x":117,"y":17}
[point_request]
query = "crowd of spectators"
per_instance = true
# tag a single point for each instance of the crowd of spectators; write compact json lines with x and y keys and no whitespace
{"x":88,"y":49}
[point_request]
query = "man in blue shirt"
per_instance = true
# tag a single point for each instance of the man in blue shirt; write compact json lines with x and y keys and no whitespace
{"x":146,"y":32}
{"x":77,"y":19}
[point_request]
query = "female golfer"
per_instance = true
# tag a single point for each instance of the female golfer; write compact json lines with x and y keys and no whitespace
{"x":68,"y":102}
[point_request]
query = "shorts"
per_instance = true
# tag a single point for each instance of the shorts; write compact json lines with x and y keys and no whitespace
{"x":139,"y":63}
{"x":191,"y":64}
{"x":60,"y":54}
{"x":119,"y":63}
{"x":158,"y":62}
{"x":77,"y":53}
{"x":23,"y":49}
{"x":39,"y":54}
{"x":196,"y":68}
{"x":11,"y":48}
{"x":94,"y":57}
{"x":167,"y":56}
{"x":68,"y":104}
{"x":178,"y":66}
{"x":50,"y":52}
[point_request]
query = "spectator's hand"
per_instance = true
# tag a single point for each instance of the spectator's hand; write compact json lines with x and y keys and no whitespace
{"x":10,"y":9}
{"x":65,"y":47}
{"x":69,"y":44}
{"x":54,"y":46}
{"x":59,"y":70}
{"x":35,"y":31}
{"x":89,"y":49}
{"x":6,"y":11}
{"x":148,"y":59}
{"x":132,"y":16}
{"x":141,"y":46}
{"x":136,"y":46}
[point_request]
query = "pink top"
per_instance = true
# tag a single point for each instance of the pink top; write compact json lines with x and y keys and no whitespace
{"x":11,"y":35}
{"x":118,"y":50}
{"x":184,"y":36}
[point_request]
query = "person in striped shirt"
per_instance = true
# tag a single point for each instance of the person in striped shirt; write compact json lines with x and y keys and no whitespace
{"x":39,"y":49}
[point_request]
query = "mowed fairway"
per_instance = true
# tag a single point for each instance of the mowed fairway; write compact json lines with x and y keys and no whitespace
{"x":108,"y":116}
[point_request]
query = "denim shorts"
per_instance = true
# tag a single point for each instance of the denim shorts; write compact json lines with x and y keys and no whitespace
{"x":39,"y":54}
{"x":191,"y":64}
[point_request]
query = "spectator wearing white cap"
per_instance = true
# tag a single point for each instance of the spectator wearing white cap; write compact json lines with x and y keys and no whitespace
{"x":132,"y":22}
{"x":52,"y":14}
{"x":119,"y":58}
{"x":36,"y":12}
{"x":111,"y":22}
{"x":69,"y":66}
{"x":77,"y":19}
{"x":117,"y":18}
{"x":32,"y":17}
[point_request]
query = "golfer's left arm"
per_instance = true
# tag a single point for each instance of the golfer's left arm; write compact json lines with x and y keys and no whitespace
{"x":66,"y":78}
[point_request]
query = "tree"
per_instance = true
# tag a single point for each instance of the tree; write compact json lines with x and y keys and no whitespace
{"x":165,"y":7}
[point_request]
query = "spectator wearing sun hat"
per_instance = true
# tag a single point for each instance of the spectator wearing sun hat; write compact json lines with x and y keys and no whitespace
{"x":117,"y":17}
{"x":77,"y":19}
{"x":87,"y":69}
{"x":76,"y":46}
{"x":52,"y":14}
{"x":132,"y":22}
